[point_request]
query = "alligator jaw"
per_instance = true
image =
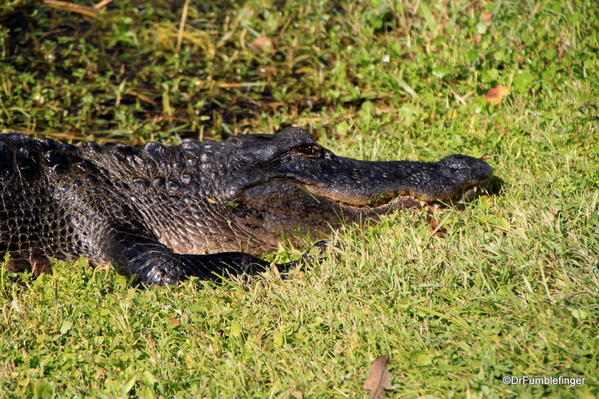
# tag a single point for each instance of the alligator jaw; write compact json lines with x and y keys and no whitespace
{"x":449,"y":192}
{"x":406,"y":201}
{"x":474,"y":192}
{"x":356,"y":183}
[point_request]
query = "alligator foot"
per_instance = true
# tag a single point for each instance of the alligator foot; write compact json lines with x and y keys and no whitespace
{"x":308,"y":256}
{"x":238,"y":263}
{"x":36,"y":263}
{"x":153,"y":263}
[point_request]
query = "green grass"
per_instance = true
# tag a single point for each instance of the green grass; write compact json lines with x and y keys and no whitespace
{"x":508,"y":286}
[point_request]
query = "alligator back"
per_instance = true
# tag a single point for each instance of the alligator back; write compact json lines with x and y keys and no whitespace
{"x":53,"y":200}
{"x":117,"y":204}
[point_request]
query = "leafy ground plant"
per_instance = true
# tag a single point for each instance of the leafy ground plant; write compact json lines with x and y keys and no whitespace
{"x":457,"y":299}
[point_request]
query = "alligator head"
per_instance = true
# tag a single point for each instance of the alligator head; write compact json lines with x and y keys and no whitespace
{"x":284,"y":183}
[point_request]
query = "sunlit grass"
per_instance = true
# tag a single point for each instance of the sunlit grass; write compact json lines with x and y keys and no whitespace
{"x":457,"y":298}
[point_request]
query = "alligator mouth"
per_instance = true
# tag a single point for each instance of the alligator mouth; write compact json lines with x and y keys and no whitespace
{"x":403,"y":200}
{"x":295,"y":195}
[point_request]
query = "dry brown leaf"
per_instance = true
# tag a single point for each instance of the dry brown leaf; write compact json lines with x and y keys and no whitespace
{"x":379,"y":379}
{"x":437,"y":231}
{"x":294,"y":392}
{"x":100,"y":373}
{"x":263,"y":43}
{"x":497,"y":94}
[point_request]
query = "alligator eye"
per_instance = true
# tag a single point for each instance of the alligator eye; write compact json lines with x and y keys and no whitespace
{"x":310,"y":151}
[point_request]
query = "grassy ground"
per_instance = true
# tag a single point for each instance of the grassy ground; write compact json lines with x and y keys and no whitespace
{"x":509,"y":286}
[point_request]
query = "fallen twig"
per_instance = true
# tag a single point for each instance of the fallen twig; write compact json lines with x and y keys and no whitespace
{"x":102,"y":4}
{"x":76,"y":8}
{"x":182,"y":25}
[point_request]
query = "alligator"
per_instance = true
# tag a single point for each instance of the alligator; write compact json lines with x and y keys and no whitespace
{"x":161,"y":214}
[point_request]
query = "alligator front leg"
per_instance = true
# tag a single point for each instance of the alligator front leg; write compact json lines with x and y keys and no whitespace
{"x":153,"y":263}
{"x":35,"y":262}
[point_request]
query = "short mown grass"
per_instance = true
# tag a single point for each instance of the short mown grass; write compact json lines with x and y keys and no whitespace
{"x":458,"y":299}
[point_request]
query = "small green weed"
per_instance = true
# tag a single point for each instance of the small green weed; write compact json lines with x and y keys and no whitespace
{"x":507,"y":287}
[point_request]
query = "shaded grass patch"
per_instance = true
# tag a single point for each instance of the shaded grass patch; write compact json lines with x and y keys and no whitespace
{"x":457,"y":299}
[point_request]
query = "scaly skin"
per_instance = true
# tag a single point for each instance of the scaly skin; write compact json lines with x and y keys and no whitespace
{"x":165,"y":213}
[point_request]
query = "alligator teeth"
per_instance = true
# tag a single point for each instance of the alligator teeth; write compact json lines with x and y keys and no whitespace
{"x":472,"y":193}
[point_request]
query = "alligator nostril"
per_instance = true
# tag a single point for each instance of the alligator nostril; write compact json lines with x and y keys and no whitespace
{"x":458,"y":161}
{"x":467,"y":169}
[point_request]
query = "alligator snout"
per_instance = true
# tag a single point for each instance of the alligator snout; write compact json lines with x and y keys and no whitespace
{"x":466,"y":171}
{"x":458,"y":177}
{"x":365,"y":183}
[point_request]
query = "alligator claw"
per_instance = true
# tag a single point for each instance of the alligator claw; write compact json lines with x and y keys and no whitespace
{"x":321,"y":246}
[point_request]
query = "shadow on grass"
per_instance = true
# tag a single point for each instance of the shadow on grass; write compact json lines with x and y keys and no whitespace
{"x":496,"y":186}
